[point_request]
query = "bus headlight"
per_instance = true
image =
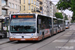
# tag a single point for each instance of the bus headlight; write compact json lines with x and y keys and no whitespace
{"x":11,"y":37}
{"x":34,"y":36}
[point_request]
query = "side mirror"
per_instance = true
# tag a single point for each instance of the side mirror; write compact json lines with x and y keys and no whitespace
{"x":7,"y":20}
{"x":59,"y":26}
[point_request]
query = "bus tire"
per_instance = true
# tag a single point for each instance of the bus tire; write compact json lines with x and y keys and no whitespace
{"x":42,"y":35}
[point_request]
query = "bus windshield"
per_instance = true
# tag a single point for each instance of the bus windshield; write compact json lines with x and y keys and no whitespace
{"x":22,"y":26}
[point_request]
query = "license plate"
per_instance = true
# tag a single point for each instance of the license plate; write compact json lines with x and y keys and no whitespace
{"x":22,"y":39}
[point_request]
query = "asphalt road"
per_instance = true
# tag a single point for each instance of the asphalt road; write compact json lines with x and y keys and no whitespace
{"x":62,"y":41}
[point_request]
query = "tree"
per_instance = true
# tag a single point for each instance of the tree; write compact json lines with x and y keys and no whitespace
{"x":67,"y":4}
{"x":59,"y":15}
{"x":73,"y":9}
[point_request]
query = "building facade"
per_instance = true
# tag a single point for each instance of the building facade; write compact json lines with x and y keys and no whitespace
{"x":52,"y":9}
{"x":41,"y":6}
{"x":48,"y":8}
{"x":0,"y":7}
{"x":45,"y":7}
{"x":29,"y":6}
{"x":8,"y":7}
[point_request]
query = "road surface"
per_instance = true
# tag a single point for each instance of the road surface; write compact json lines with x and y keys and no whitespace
{"x":62,"y":41}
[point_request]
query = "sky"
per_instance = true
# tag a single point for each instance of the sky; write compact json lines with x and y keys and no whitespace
{"x":66,"y":11}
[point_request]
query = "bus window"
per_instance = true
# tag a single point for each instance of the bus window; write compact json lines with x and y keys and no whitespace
{"x":0,"y":26}
{"x":25,"y":25}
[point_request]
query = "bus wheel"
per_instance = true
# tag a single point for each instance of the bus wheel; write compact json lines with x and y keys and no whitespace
{"x":42,"y":36}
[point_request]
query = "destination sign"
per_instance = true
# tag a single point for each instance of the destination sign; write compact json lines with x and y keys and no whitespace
{"x":25,"y":16}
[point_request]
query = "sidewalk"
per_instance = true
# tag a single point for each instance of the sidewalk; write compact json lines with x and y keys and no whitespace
{"x":2,"y":41}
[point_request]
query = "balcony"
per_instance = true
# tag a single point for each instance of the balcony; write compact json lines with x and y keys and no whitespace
{"x":33,"y":10}
{"x":5,"y":7}
{"x":4,"y":4}
{"x":37,"y":11}
{"x":4,"y":12}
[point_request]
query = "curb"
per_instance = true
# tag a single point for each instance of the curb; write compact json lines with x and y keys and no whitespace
{"x":5,"y":42}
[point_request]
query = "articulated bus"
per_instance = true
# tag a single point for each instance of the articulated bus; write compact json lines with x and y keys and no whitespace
{"x":55,"y":27}
{"x":31,"y":27}
{"x":61,"y":25}
{"x":66,"y":24}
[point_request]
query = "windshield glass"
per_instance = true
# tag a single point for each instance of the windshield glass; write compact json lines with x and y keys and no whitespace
{"x":22,"y":26}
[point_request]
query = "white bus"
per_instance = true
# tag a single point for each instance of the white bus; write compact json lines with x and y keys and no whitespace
{"x":32,"y":27}
{"x":61,"y":25}
{"x":66,"y":24}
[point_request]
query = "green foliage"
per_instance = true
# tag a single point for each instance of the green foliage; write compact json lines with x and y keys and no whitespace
{"x":73,"y":18}
{"x":73,"y":9}
{"x":66,"y":4}
{"x":59,"y":15}
{"x":63,"y":4}
{"x":72,"y":21}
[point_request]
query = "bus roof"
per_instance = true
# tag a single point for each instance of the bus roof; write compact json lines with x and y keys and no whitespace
{"x":60,"y":19}
{"x":31,"y":13}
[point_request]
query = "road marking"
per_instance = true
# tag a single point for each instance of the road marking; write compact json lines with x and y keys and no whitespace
{"x":72,"y":41}
{"x":60,"y":40}
{"x":65,"y":47}
{"x":67,"y":35}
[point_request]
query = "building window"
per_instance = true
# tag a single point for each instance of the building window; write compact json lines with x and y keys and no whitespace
{"x":4,"y":2}
{"x":50,"y":7}
{"x":28,"y":1}
{"x":31,"y":1}
{"x":9,"y":12}
{"x":34,"y":2}
{"x":4,"y":12}
{"x":9,"y":4}
{"x":20,"y":8}
{"x":29,"y":7}
{"x":32,"y":7}
{"x":24,"y":7}
{"x":37,"y":3}
{"x":24,"y":1}
{"x":12,"y":5}
{"x":15,"y":6}
{"x":20,"y":1}
{"x":41,"y":8}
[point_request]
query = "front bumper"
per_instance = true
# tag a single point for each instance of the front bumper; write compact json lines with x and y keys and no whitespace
{"x":23,"y":39}
{"x":67,"y":27}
